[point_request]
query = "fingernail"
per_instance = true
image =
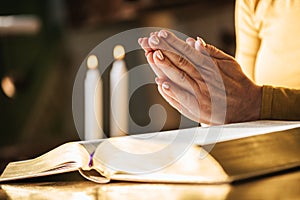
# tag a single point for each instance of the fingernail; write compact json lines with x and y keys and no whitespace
{"x":154,"y":40}
{"x":163,"y":34}
{"x":140,"y":40}
{"x":201,"y":41}
{"x":166,"y":86}
{"x":190,"y":41}
{"x":159,"y":55}
{"x":198,"y":45}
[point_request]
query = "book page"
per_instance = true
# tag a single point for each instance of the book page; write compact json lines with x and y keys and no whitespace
{"x":133,"y":159}
{"x":215,"y":134}
{"x":65,"y":158}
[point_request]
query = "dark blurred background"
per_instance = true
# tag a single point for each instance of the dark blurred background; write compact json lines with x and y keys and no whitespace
{"x":39,"y":59}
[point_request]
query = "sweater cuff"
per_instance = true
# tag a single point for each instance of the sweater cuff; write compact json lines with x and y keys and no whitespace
{"x":266,"y":103}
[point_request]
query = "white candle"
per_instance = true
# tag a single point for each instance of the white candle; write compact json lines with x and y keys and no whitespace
{"x":119,"y":94}
{"x":93,"y":121}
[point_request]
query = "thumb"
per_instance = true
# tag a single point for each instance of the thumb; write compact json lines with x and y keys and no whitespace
{"x":210,"y":50}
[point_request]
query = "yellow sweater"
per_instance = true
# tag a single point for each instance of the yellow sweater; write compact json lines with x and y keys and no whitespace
{"x":268,"y":41}
{"x":280,"y":103}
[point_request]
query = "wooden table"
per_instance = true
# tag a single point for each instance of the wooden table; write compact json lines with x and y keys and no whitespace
{"x":285,"y":185}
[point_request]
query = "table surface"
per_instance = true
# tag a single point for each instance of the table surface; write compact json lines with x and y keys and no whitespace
{"x":284,"y":185}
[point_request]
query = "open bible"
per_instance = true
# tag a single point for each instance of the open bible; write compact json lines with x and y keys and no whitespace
{"x":219,"y":154}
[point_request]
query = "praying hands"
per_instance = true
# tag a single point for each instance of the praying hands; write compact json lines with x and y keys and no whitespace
{"x":200,"y":81}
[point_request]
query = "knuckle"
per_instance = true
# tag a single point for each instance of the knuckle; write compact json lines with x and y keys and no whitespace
{"x":187,"y":49}
{"x":182,"y":76}
{"x":182,"y":60}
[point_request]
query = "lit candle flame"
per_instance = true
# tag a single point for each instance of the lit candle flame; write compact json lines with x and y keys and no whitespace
{"x":92,"y":62}
{"x":119,"y":52}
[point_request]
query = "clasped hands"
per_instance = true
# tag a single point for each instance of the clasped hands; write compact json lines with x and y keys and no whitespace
{"x":200,"y":81}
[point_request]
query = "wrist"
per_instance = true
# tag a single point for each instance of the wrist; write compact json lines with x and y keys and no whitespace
{"x":249,"y":108}
{"x":256,"y":103}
